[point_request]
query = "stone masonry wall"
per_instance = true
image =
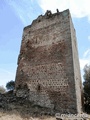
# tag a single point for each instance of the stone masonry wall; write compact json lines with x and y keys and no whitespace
{"x":46,"y":64}
{"x":77,"y":76}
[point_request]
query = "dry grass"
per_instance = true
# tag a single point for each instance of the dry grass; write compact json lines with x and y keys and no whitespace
{"x":16,"y":116}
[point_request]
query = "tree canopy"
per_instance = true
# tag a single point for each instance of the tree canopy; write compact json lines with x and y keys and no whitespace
{"x":10,"y":85}
{"x":86,"y":85}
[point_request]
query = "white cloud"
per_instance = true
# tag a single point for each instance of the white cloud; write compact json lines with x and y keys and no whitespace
{"x":78,"y":8}
{"x":89,"y":38}
{"x":6,"y":76}
{"x":7,"y":73}
{"x":83,"y":62}
{"x":24,"y":10}
{"x":87,"y":53}
{"x":85,"y":59}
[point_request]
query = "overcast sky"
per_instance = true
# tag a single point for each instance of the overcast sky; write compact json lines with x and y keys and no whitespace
{"x":16,"y":14}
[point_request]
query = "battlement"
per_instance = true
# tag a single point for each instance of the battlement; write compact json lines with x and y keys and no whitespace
{"x":48,"y":19}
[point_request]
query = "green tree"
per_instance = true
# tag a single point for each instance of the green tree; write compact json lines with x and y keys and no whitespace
{"x":2,"y":89}
{"x":10,"y":85}
{"x":86,"y":87}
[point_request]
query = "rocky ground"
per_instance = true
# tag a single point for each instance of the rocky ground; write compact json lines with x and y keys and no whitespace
{"x":16,"y":108}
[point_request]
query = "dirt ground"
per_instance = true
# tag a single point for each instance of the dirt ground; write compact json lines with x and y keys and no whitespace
{"x":16,"y":116}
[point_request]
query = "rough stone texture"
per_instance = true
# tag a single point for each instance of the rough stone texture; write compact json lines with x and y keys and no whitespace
{"x":48,"y":67}
{"x":21,"y":107}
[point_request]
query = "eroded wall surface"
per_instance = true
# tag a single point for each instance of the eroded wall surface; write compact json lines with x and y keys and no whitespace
{"x":46,"y":65}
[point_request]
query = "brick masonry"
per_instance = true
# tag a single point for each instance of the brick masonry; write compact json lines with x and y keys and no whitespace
{"x":48,"y":66}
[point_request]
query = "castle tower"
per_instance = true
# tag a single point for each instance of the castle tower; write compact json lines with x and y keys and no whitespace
{"x":48,"y":66}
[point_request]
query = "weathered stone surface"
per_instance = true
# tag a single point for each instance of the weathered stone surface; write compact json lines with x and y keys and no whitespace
{"x":15,"y":108}
{"x":48,"y":64}
{"x":22,"y":105}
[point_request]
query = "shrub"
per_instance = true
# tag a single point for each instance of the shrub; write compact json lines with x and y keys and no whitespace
{"x":10,"y":85}
{"x":2,"y":89}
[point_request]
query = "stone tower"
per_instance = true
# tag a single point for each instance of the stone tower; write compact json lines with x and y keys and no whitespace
{"x":48,"y":66}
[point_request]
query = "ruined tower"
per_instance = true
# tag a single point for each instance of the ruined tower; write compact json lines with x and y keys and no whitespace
{"x":48,"y":66}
